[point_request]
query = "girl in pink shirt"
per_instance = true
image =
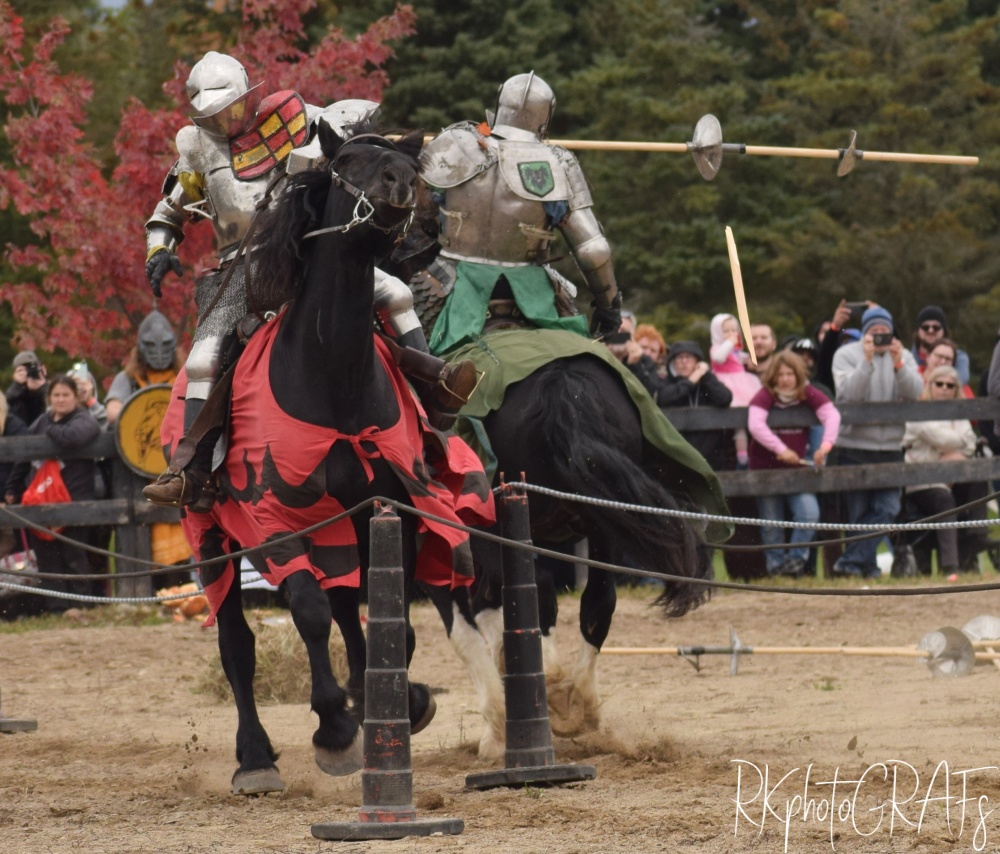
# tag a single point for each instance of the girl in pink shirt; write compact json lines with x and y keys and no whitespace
{"x":728,"y":360}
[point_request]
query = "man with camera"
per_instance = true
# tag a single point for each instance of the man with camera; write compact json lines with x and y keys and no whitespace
{"x":27,"y":395}
{"x":876,"y":369}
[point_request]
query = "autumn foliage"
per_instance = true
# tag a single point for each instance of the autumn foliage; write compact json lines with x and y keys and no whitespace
{"x":80,"y":285}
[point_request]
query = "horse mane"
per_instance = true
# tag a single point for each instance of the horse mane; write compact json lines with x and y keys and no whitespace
{"x":278,"y":267}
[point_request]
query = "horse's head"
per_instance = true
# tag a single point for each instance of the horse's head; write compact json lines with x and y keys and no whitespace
{"x":376,"y":171}
{"x":365,"y":196}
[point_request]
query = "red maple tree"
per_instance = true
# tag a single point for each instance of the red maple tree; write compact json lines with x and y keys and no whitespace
{"x":82,"y":285}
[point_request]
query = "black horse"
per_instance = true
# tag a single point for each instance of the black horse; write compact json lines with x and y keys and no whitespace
{"x":314,"y":382}
{"x":572,"y":426}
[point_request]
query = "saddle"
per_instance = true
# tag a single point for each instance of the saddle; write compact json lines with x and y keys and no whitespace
{"x":504,"y":314}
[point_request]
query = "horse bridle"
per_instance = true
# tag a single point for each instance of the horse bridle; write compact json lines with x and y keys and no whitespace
{"x":363,"y":209}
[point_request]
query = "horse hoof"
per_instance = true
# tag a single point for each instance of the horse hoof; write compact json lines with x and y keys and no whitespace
{"x":258,"y":782}
{"x":426,"y":718}
{"x":492,"y":747}
{"x":340,"y":763}
{"x":569,"y":713}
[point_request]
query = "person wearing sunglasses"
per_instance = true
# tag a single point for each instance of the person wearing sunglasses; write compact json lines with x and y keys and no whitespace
{"x":945,"y":352}
{"x":943,"y":441}
{"x":932,"y":327}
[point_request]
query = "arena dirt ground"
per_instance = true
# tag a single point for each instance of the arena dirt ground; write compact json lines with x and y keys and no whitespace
{"x":127,"y":758}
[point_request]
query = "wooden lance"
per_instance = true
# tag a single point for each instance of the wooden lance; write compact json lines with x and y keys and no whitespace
{"x":741,"y":299}
{"x":707,"y":148}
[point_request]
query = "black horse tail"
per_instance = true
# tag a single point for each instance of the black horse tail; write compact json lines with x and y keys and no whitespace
{"x":573,"y":416}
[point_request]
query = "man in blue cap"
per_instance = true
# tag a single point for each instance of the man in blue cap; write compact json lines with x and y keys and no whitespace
{"x":876,"y":369}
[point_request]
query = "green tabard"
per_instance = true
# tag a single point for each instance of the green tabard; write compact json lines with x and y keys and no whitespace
{"x":462,"y":318}
{"x":508,"y":356}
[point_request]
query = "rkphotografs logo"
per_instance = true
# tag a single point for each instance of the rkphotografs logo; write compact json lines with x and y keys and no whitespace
{"x":886,"y":798}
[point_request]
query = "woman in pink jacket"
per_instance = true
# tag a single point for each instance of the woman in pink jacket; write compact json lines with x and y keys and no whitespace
{"x":786,"y":386}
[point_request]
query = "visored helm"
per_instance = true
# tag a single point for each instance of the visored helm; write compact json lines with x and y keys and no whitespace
{"x":344,"y":115}
{"x":526,"y":102}
{"x":219,"y":89}
{"x":157,"y":341}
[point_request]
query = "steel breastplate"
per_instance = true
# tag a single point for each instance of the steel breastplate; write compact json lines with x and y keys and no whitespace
{"x":229,"y":202}
{"x":232,"y":204}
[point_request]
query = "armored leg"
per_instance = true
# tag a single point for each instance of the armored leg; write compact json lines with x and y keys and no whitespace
{"x":443,"y":388}
{"x":188,"y":479}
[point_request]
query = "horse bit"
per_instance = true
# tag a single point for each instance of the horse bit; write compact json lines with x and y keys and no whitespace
{"x":363,"y":209}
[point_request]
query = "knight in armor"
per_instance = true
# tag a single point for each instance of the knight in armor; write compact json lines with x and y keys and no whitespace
{"x":155,"y":359}
{"x":503,"y":196}
{"x":231,"y":159}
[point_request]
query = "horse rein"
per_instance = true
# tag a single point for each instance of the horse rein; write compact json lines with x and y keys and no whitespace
{"x":363,"y":209}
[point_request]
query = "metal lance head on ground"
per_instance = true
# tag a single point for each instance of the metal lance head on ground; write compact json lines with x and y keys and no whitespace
{"x":950,"y":652}
{"x":947,"y":651}
{"x":984,"y":632}
{"x":983,"y":628}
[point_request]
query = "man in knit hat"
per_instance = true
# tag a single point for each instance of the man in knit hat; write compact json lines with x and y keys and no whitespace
{"x":876,"y":369}
{"x":932,"y":327}
{"x":690,"y":382}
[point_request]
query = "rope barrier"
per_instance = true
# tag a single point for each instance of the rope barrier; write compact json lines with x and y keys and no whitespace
{"x":161,"y":569}
{"x":559,"y":556}
{"x":768,"y":523}
{"x":98,"y":600}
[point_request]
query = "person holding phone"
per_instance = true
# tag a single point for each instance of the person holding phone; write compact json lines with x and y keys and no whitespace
{"x":844,"y":315}
{"x":630,"y":352}
{"x":27,"y":396}
{"x":876,"y":369}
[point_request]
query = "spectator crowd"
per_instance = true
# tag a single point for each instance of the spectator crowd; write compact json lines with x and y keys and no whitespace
{"x":67,"y":409}
{"x":858,"y":356}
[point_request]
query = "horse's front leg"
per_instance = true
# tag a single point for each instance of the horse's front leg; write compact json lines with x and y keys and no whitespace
{"x":338,"y":740}
{"x":257,"y":773}
{"x":345,"y":605}
{"x":487,"y":603}
{"x":455,"y":609}
{"x":574,"y":704}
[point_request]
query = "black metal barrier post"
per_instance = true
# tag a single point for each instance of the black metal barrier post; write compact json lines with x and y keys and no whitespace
{"x":16,"y":725}
{"x":387,"y":810}
{"x":529,"y":758}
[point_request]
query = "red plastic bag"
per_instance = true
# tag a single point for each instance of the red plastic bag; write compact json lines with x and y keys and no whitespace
{"x":47,"y":487}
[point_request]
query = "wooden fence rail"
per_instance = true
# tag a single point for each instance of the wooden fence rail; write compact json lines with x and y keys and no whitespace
{"x":838,"y":479}
{"x":130,"y":515}
{"x":125,"y":510}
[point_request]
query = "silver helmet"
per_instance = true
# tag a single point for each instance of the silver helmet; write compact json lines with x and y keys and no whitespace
{"x":345,"y":115}
{"x":157,"y":341}
{"x":526,"y":102}
{"x":219,"y":89}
